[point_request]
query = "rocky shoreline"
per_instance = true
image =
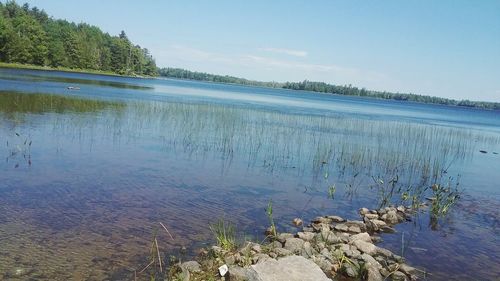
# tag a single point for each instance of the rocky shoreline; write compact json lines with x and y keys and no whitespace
{"x":329,"y":248}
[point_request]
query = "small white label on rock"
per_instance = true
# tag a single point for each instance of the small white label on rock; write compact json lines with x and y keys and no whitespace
{"x":223,"y":270}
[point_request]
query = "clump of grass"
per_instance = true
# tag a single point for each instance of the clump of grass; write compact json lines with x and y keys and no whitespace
{"x":444,"y":199}
{"x":269,"y":212}
{"x":224,"y":233}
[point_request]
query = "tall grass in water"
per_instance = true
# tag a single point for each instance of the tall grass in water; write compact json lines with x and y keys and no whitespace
{"x":408,"y":157}
{"x":225,"y":234}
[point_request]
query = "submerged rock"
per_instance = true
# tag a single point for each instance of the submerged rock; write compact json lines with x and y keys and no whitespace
{"x":336,"y":219}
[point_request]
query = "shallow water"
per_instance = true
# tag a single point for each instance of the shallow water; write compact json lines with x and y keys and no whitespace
{"x":89,"y":174}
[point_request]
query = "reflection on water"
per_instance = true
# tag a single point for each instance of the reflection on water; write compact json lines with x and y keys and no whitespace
{"x":14,"y":103}
{"x":69,"y":78}
{"x":103,"y":174}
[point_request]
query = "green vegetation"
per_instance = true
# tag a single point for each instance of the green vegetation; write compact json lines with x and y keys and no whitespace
{"x":444,"y":198}
{"x":269,"y":212}
{"x":322,"y":87}
{"x":12,"y":103}
{"x":202,"y":76}
{"x":224,"y":234}
{"x":30,"y":36}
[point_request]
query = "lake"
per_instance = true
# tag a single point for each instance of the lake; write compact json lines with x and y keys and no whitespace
{"x":89,"y":174}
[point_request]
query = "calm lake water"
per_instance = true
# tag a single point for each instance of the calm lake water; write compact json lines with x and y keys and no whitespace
{"x":88,"y":174}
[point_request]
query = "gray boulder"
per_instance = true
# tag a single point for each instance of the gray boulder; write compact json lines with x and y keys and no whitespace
{"x":292,"y":268}
{"x":294,"y":244}
{"x":237,"y":273}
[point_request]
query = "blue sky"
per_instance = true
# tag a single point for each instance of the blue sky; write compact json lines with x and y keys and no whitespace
{"x":447,"y":48}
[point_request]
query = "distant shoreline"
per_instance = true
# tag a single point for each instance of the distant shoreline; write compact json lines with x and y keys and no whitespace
{"x":66,"y":69}
{"x":325,"y":88}
{"x":212,"y":78}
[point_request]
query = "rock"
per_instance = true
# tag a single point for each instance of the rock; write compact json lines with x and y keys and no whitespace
{"x":320,"y":245}
{"x":323,"y":263}
{"x":306,"y":236}
{"x":256,"y":248}
{"x":387,"y":229}
{"x":307,"y":229}
{"x":344,"y":237}
{"x":401,"y":209}
{"x":328,"y":237}
{"x":360,"y":236}
{"x":282,"y":252}
{"x":398,"y":276}
{"x":406,"y":269}
{"x":276,"y":244}
{"x":371,"y":261}
{"x":191,"y":266}
{"x":217,"y":250}
{"x":273,"y":254}
{"x":350,"y":270}
{"x":336,"y":219}
{"x":370,"y":226}
{"x":325,"y":253}
{"x":379,"y":223}
{"x":354,"y":228}
{"x":359,"y":224}
{"x":292,"y":268}
{"x":341,"y":227}
{"x":373,"y":274}
{"x":363,"y":211}
{"x":391,"y":217}
{"x":237,"y":273}
{"x":294,"y":244}
{"x":384,"y":272}
{"x":354,"y":253}
{"x":260,"y":258}
{"x":319,"y":226}
{"x":297,"y":222}
{"x":384,"y":252}
{"x":365,"y":247}
{"x":229,"y":259}
{"x":308,"y":250}
{"x":324,"y":220}
{"x":371,"y":216}
{"x":283,"y":236}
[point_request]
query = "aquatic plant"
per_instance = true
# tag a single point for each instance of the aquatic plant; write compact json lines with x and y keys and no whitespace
{"x":224,"y":233}
{"x":444,"y":198}
{"x":269,"y":213}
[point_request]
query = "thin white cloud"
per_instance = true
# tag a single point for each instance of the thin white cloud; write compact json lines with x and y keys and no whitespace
{"x":266,"y":61}
{"x":290,"y":52}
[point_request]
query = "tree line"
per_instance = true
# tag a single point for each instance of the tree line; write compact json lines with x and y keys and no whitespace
{"x":322,"y":87}
{"x":30,"y":36}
